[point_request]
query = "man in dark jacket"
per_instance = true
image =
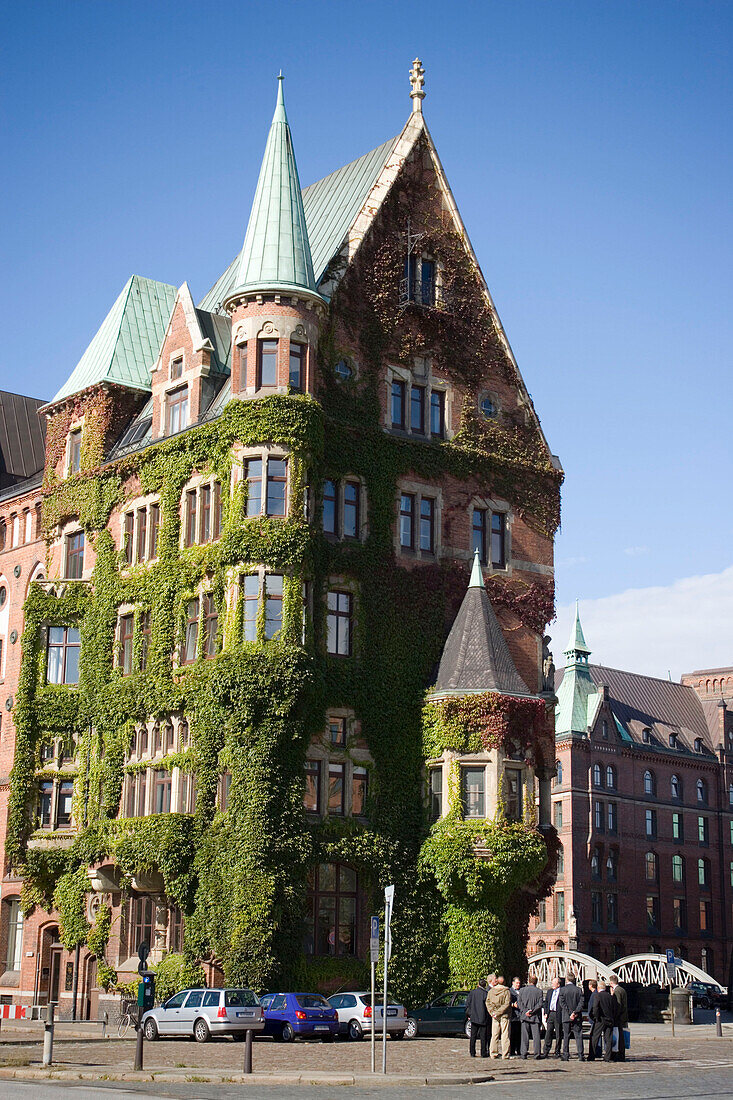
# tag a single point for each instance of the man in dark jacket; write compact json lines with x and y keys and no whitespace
{"x":571,"y":1014}
{"x":529,"y":1004}
{"x":515,"y":1023}
{"x":477,"y":1013}
{"x":553,"y":1023}
{"x":619,"y":993}
{"x":605,"y":1014}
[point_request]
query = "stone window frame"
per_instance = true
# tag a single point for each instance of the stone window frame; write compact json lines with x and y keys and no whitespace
{"x":349,"y":586}
{"x":264,"y":453}
{"x":235,"y":596}
{"x":58,"y":780}
{"x":134,"y":508}
{"x":424,"y":376}
{"x":124,"y":610}
{"x":76,"y":429}
{"x":205,"y":587}
{"x":67,"y":532}
{"x":217,"y":491}
{"x":350,"y":755}
{"x":418,"y":490}
{"x":492,"y":506}
{"x":169,"y":391}
{"x":363,"y":525}
{"x":285,"y":329}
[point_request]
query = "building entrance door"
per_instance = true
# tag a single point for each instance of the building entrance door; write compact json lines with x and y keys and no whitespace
{"x":53,"y":988}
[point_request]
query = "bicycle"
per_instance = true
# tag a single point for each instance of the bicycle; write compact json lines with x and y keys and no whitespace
{"x":126,"y":1018}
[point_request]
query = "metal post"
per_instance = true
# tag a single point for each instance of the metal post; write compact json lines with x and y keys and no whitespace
{"x":374,"y":1024}
{"x":75,"y":983}
{"x":139,"y":1046}
{"x":671,"y":1006}
{"x":248,"y":1050}
{"x":48,"y":1035}
{"x":718,"y":1024}
{"x":387,"y":916}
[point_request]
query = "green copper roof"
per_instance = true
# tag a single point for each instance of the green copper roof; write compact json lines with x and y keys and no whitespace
{"x":330,"y":206}
{"x":128,"y":340}
{"x":276,"y":253}
{"x":577,"y":638}
{"x":477,"y":576}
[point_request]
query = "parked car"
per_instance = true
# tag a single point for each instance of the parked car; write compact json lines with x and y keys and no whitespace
{"x":306,"y":1014}
{"x":704,"y":994}
{"x":354,"y":1011}
{"x":202,"y":1013}
{"x":446,"y":1015}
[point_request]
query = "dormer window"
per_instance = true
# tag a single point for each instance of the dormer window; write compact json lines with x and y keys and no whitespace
{"x":267,"y":363}
{"x":176,"y":368}
{"x":418,"y":283}
{"x":176,"y":410}
{"x":646,"y":735}
{"x":698,"y":744}
{"x":74,"y":451}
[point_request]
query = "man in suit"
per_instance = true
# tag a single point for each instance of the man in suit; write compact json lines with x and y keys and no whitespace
{"x":478,"y":1015}
{"x":571,"y":1014}
{"x":515,"y":1024}
{"x":529,"y":1003}
{"x":619,"y":993}
{"x":592,"y":994}
{"x":553,"y":1023}
{"x":605,"y":1014}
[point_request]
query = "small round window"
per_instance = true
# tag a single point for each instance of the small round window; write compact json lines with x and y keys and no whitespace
{"x":3,"y":594}
{"x":343,"y":370}
{"x":487,"y":407}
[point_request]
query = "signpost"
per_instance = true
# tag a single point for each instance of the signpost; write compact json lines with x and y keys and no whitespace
{"x":671,"y":976}
{"x":374,"y":956}
{"x":388,"y":904}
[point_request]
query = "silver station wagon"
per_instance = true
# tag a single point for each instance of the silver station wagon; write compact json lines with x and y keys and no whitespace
{"x":203,"y":1013}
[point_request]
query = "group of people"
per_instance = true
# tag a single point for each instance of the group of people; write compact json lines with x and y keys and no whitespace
{"x":509,"y":1017}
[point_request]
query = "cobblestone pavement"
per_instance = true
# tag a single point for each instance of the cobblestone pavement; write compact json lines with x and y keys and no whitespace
{"x":423,"y":1056}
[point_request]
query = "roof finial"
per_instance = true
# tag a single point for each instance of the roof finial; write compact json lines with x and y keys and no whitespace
{"x":417,"y":79}
{"x":477,"y":576}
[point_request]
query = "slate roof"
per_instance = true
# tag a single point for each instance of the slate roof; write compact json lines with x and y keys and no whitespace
{"x":475,"y":656}
{"x":128,"y":341}
{"x":330,"y":206}
{"x":663,"y":706}
{"x":22,"y":438}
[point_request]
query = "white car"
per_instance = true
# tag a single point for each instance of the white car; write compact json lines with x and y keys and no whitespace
{"x":202,"y":1013}
{"x":354,"y":1012}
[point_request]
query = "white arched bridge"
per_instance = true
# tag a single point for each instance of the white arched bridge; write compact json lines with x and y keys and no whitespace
{"x":644,"y":969}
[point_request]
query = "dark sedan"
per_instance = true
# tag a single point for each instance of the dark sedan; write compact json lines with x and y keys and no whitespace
{"x":446,"y":1015}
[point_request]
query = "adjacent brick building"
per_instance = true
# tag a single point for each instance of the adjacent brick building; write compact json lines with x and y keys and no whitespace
{"x":643,"y":804}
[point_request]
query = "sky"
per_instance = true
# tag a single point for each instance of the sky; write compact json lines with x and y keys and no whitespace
{"x":588,"y":147}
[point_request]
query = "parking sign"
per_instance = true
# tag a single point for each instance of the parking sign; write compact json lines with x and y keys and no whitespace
{"x":374,"y":939}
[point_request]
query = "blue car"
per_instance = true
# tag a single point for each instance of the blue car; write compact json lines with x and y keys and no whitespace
{"x":288,"y":1015}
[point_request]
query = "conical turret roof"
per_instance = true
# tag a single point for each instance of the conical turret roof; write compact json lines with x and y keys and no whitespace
{"x":577,"y":645}
{"x":276,"y":253}
{"x":476,"y":656}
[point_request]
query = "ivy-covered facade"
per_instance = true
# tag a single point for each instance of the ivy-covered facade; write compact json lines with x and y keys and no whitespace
{"x":260,"y":514}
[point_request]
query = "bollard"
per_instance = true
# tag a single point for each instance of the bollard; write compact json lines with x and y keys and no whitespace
{"x":105,"y":1021}
{"x":139,"y":1046}
{"x":48,"y":1035}
{"x":248,"y":1050}
{"x":718,"y":1024}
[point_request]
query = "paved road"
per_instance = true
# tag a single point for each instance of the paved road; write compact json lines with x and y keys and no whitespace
{"x":702,"y":1079}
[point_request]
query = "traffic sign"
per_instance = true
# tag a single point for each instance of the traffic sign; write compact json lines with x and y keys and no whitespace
{"x":671,"y":965}
{"x":388,"y":904}
{"x":374,"y":939}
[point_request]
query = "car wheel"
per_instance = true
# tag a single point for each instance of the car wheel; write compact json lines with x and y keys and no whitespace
{"x":287,"y":1035}
{"x":467,"y":1029}
{"x":201,"y":1031}
{"x":150,"y":1030}
{"x":355,"y":1030}
{"x":704,"y":1002}
{"x":411,"y":1028}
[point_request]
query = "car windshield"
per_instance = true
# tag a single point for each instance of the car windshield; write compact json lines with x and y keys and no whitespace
{"x":240,"y":998}
{"x":312,"y":1000}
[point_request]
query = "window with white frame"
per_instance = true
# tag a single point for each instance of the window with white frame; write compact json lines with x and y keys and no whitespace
{"x":266,"y":478}
{"x":339,"y":622}
{"x":13,"y":921}
{"x":74,"y":555}
{"x":261,"y":596}
{"x":73,"y":465}
{"x":62,"y":655}
{"x":176,"y":410}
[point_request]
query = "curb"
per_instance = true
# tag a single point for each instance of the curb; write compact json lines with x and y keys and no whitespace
{"x":21,"y":1073}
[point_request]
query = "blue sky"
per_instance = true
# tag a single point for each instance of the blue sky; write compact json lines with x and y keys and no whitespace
{"x":588,"y":147}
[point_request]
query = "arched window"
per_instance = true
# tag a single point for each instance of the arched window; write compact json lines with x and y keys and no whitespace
{"x":597,"y":775}
{"x":652,"y":866}
{"x":675,"y":787}
{"x":331,"y":910}
{"x":612,"y":865}
{"x":558,"y":776}
{"x":560,"y":863}
{"x":541,"y":946}
{"x":595,"y":862}
{"x":611,"y":777}
{"x":702,"y":791}
{"x":703,"y":873}
{"x":678,"y":869}
{"x":650,"y":786}
{"x":559,"y":945}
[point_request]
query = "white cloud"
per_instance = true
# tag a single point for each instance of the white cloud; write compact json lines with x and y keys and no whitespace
{"x":636,"y":551}
{"x":680,"y":627}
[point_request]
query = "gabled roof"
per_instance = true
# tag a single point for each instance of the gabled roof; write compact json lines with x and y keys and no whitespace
{"x":22,"y":438}
{"x":475,"y":656}
{"x":276,"y":253}
{"x":330,"y":207}
{"x":128,"y":341}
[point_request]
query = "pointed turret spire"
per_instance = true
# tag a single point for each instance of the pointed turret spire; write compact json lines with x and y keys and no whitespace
{"x":576,"y":649}
{"x":276,"y":254}
{"x":476,"y":657}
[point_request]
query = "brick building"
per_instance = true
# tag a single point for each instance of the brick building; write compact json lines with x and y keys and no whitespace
{"x":242,"y":551}
{"x":643,"y":804}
